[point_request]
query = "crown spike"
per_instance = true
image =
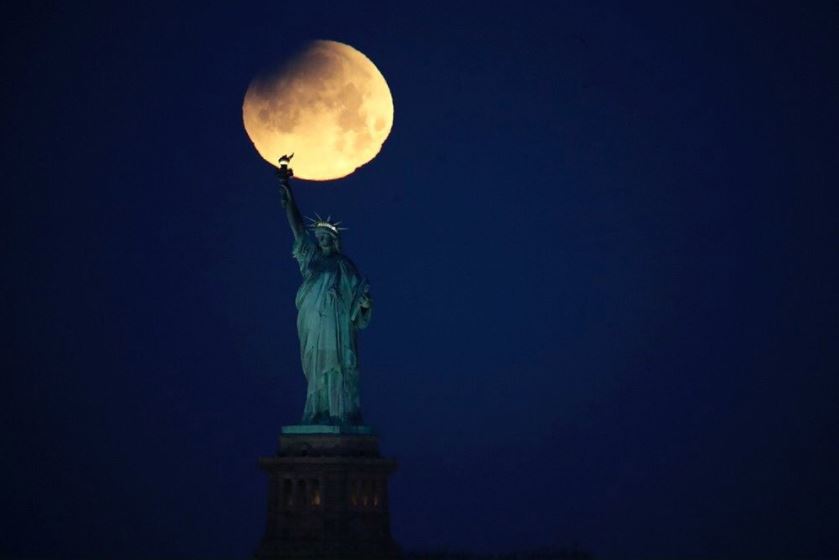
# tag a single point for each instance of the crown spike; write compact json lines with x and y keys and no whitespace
{"x":319,"y":223}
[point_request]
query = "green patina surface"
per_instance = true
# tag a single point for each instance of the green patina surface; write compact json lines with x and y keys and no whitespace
{"x":333,"y":303}
{"x":313,"y":429}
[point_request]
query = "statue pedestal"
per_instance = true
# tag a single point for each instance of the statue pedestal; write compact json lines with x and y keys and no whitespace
{"x":328,"y":496}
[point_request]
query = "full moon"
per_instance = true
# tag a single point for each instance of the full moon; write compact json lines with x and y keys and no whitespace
{"x":329,"y":105}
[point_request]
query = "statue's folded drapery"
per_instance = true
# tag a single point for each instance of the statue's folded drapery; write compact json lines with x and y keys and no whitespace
{"x":329,"y":311}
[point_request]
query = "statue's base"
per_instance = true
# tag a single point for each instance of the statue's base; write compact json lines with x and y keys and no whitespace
{"x":309,"y":429}
{"x":328,"y":496}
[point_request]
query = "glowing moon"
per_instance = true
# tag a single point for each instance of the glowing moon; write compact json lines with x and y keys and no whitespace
{"x":329,"y":105}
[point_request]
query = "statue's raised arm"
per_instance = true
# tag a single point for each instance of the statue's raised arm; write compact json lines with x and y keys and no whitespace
{"x":295,"y":219}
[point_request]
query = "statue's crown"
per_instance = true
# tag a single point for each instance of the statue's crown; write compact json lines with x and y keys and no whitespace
{"x":332,"y":227}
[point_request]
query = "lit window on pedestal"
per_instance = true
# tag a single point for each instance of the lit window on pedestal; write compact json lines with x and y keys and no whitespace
{"x":315,"y":485}
{"x":354,"y":493}
{"x":377,"y":493}
{"x":365,"y":493}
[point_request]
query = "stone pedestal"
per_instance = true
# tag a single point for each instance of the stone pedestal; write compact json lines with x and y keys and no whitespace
{"x":328,"y":496}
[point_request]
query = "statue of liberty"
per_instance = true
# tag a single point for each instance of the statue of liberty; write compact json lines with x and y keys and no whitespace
{"x":333,"y":302}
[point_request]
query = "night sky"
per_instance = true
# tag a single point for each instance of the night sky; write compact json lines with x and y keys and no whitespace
{"x":602,"y":243}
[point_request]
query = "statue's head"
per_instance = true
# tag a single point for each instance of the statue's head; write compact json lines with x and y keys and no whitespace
{"x":328,"y":242}
{"x":327,"y":233}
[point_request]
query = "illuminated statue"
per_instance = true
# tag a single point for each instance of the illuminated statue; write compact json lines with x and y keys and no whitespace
{"x":332,"y":304}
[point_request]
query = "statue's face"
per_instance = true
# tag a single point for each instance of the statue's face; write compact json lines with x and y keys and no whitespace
{"x":325,"y":241}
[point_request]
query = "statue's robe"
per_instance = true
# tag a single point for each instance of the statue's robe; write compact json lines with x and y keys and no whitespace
{"x":329,"y":313}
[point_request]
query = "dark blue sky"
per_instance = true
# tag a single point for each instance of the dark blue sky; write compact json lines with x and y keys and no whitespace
{"x":602,"y":242}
